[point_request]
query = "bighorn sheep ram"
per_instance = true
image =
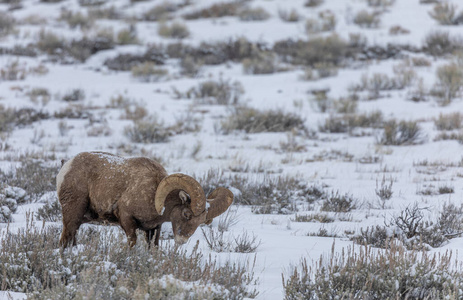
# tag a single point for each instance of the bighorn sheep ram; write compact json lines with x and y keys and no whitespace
{"x":135,"y":193}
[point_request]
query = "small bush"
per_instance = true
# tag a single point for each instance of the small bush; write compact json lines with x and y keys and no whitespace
{"x":50,"y":43}
{"x":449,"y":83}
{"x":147,"y":131}
{"x":253,"y":14}
{"x":76,"y":19}
{"x":175,"y":30}
{"x":450,"y":121}
{"x":99,"y":130}
{"x":384,"y":191}
{"x":189,"y":66}
{"x":376,"y":83}
{"x":125,"y":62}
{"x":7,"y":23}
{"x":221,"y":92}
{"x":34,"y":176}
{"x":270,"y":195}
{"x":329,"y":50}
{"x":367,"y":19}
{"x":11,"y":118}
{"x":13,"y":71}
{"x":319,"y":218}
{"x":401,"y":133}
{"x":326,"y":22}
{"x":264,"y":63}
{"x":91,"y":2}
{"x":445,"y":14}
{"x":74,"y":95}
{"x":339,"y":203}
{"x":160,"y":12}
{"x":148,"y":72}
{"x":104,"y":12}
{"x":216,"y":10}
{"x":380,"y":3}
{"x":39,"y":95}
{"x":419,"y":93}
{"x":446,"y":189}
{"x":134,"y":111}
{"x":10,"y":197}
{"x":391,"y":274}
{"x":349,"y":122}
{"x":82,"y":49}
{"x":251,"y":120}
{"x":398,"y":30}
{"x":376,"y":236}
{"x":246,"y":244}
{"x":440,"y":43}
{"x":313,"y":3}
{"x":216,"y":241}
{"x":127,"y":36}
{"x":103,"y":267}
{"x":50,"y":212}
{"x":289,"y":16}
{"x":450,"y":220}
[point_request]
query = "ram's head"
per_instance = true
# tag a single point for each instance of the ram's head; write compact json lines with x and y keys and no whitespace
{"x":194,"y":208}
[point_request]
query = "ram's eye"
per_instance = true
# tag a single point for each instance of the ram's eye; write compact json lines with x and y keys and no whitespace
{"x":187,"y":214}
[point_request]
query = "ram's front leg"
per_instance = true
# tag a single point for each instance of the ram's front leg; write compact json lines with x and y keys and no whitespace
{"x":130,"y":227}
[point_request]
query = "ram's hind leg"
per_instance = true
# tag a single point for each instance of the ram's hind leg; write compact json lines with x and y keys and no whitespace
{"x":74,"y":206}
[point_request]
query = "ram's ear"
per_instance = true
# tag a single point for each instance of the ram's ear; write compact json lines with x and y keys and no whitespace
{"x":184,"y":197}
{"x":219,"y":200}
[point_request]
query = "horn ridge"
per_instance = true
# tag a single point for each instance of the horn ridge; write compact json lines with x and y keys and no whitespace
{"x":183,"y":182}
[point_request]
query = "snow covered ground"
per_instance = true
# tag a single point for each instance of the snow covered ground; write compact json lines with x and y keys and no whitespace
{"x":353,"y":164}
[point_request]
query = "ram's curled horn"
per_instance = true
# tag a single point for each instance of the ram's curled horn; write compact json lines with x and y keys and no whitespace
{"x":181,"y":182}
{"x":219,"y":200}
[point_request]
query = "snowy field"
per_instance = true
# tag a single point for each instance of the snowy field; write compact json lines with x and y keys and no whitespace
{"x":337,"y":116}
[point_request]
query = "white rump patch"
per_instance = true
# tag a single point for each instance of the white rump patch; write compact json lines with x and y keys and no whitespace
{"x":64,"y":170}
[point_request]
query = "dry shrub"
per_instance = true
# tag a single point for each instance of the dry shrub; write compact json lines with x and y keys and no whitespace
{"x":35,"y":176}
{"x":221,"y":92}
{"x":367,"y":19}
{"x":103,"y":267}
{"x":313,"y":3}
{"x":7,"y":23}
{"x":289,"y":16}
{"x":450,"y":121}
{"x":331,"y":50}
{"x":160,"y":12}
{"x":326,"y":21}
{"x":339,"y":203}
{"x":176,"y":30}
{"x":367,"y":274}
{"x":449,"y":83}
{"x":216,"y":10}
{"x":263,"y":63}
{"x":125,"y":62}
{"x":76,"y":19}
{"x":440,"y":43}
{"x":147,"y":131}
{"x":348,"y":122}
{"x":268,"y":195}
{"x":402,"y":133}
{"x":253,"y":14}
{"x":251,"y":120}
{"x":445,"y":14}
{"x":148,"y":72}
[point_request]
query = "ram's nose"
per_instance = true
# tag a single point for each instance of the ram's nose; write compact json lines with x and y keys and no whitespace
{"x":180,"y":240}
